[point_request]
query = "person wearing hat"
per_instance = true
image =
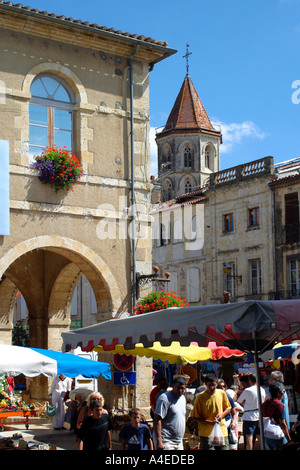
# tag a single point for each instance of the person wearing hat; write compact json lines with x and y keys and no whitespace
{"x":274,"y":408}
{"x":277,"y":376}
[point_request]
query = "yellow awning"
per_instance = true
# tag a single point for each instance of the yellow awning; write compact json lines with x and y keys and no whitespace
{"x":175,"y":353}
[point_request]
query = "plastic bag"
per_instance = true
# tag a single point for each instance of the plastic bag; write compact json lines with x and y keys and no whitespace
{"x":216,"y":437}
{"x":232,"y":437}
{"x":50,"y":410}
{"x":272,"y":430}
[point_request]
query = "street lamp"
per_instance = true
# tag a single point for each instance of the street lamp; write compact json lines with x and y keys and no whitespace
{"x":227,"y":270}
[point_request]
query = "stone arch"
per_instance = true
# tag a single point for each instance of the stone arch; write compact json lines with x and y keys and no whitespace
{"x":183,"y":180}
{"x":209,"y":155}
{"x":65,"y":284}
{"x":186,"y":144}
{"x":81,"y":256}
{"x":60,"y":70}
{"x":8,"y":292}
{"x":168,"y":189}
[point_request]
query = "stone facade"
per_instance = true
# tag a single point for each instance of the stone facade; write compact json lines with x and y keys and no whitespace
{"x":235,"y":230}
{"x":55,"y":238}
{"x":236,"y":235}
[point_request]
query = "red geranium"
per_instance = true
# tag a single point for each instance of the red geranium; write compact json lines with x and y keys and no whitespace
{"x":159,"y":301}
{"x":59,"y":167}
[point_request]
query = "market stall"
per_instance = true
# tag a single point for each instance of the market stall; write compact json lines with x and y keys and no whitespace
{"x":251,"y":326}
{"x":10,"y":407}
{"x":23,"y":417}
{"x":174,"y":354}
{"x":31,"y":362}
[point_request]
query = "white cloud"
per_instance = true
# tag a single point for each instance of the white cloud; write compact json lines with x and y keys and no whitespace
{"x":234,"y":133}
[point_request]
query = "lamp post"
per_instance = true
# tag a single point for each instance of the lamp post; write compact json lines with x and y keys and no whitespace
{"x":227,"y":270}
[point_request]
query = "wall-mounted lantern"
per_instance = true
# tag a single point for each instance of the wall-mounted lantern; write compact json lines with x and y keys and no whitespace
{"x":227,"y":270}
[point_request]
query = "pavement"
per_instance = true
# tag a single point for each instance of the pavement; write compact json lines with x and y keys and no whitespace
{"x":41,"y":430}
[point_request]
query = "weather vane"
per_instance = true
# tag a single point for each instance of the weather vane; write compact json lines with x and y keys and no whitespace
{"x":186,"y":56}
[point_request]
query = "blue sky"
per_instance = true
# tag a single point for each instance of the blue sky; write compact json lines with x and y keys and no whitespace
{"x":244,"y":64}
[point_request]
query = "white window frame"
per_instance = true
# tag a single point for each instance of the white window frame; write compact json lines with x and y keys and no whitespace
{"x":255,"y":281}
{"x":51,"y":105}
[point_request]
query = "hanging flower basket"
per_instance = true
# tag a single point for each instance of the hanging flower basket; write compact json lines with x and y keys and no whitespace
{"x":58,"y":167}
{"x":159,"y":301}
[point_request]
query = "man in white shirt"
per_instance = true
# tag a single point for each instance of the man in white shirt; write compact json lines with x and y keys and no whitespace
{"x":60,"y":386}
{"x":248,"y":399}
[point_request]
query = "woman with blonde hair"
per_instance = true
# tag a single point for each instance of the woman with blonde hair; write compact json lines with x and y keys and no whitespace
{"x":86,"y":410}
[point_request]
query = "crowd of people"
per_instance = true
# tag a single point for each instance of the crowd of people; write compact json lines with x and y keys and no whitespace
{"x":216,"y":411}
{"x":215,"y":415}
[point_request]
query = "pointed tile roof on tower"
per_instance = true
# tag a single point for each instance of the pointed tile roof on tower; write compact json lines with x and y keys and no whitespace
{"x":188,"y":110}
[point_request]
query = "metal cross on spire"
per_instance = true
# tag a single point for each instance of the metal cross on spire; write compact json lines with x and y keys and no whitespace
{"x":186,"y":56}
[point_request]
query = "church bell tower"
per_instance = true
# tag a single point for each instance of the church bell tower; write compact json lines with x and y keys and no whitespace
{"x":188,"y":144}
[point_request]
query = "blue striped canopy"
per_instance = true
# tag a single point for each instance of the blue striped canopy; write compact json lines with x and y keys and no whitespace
{"x":15,"y":360}
{"x":71,"y":365}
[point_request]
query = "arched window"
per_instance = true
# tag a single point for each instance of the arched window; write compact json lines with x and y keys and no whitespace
{"x":187,"y":187}
{"x":51,"y":114}
{"x":207,"y":155}
{"x":168,"y":191}
{"x":169,"y":157}
{"x":187,"y":154}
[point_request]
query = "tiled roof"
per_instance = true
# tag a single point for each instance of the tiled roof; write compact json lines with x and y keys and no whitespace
{"x":188,"y":110}
{"x":77,"y":22}
{"x":172,"y":204}
{"x":193,"y":197}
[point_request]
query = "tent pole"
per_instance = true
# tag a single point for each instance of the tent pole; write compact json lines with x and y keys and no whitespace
{"x":261,"y":423}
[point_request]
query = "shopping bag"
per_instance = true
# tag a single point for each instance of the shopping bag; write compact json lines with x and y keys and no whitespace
{"x":232,"y":437}
{"x":216,"y":437}
{"x":50,"y":410}
{"x":194,"y":442}
{"x":272,"y":430}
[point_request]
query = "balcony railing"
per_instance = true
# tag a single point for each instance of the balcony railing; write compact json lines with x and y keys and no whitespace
{"x":285,"y":294}
{"x":245,"y":171}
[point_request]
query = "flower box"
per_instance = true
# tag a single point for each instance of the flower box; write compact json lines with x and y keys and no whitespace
{"x":58,"y":167}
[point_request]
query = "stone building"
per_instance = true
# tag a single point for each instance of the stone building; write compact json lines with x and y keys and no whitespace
{"x":285,"y":196}
{"x":235,"y":230}
{"x":72,"y":83}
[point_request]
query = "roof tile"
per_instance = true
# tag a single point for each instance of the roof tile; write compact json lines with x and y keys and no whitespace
{"x":188,"y":110}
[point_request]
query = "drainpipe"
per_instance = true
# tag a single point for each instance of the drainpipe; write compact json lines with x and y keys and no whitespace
{"x":274,"y":242}
{"x":132,"y":181}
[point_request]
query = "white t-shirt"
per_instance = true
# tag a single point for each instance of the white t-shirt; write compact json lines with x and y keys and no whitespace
{"x":249,"y":395}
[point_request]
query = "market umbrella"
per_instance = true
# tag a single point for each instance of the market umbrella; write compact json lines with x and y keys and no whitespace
{"x":262,"y":321}
{"x":281,"y":351}
{"x":219,"y":352}
{"x":254,"y":327}
{"x":174,"y":354}
{"x":15,"y":360}
{"x":83,"y":392}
